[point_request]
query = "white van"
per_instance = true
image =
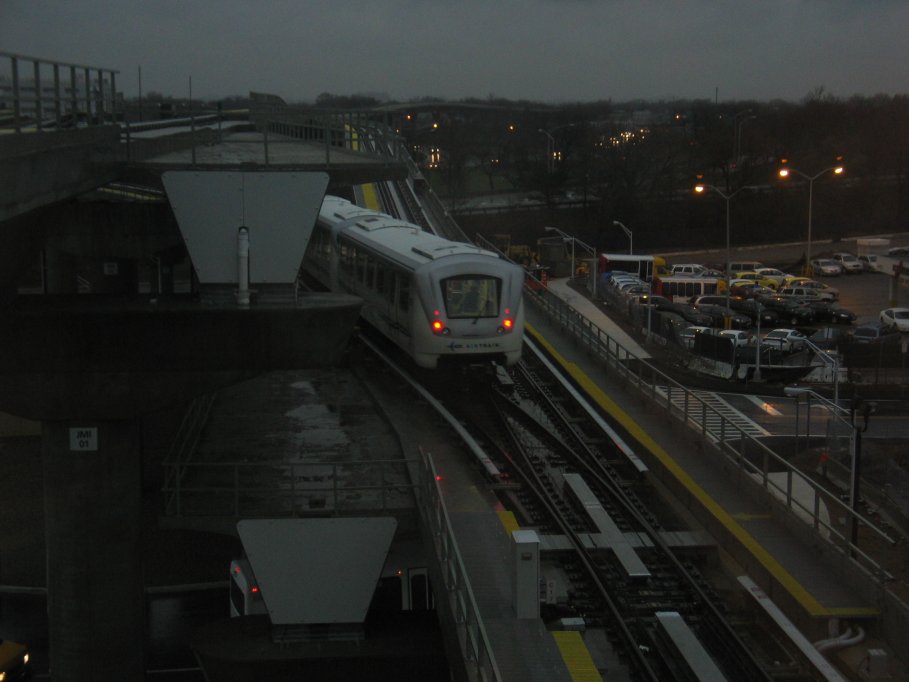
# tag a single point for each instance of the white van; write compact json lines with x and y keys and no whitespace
{"x":745,"y":266}
{"x":688,"y":270}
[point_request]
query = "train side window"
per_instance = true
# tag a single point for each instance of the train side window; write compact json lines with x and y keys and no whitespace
{"x":371,"y":272}
{"x":361,"y":266}
{"x":403,"y":293}
{"x":390,"y":289}
{"x":380,"y":279}
{"x":348,"y":254}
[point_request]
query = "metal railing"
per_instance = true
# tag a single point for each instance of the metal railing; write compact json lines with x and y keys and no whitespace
{"x":55,"y":94}
{"x":261,"y":488}
{"x":747,"y":453}
{"x":475,"y":646}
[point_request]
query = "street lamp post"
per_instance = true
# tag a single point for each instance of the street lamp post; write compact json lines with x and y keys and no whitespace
{"x":784,"y":173}
{"x":627,"y":234}
{"x":700,"y":189}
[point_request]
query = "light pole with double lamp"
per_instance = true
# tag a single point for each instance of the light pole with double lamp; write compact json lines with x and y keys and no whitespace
{"x":866,"y":409}
{"x":787,"y":171}
{"x":700,"y":188}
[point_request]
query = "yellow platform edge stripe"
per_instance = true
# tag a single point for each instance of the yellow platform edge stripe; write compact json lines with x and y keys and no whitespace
{"x":508,"y":520}
{"x":371,"y":197}
{"x":789,"y":583}
{"x":576,"y":656}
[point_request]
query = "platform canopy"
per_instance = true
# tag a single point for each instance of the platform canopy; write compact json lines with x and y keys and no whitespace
{"x":317,"y":571}
{"x":278,"y":209}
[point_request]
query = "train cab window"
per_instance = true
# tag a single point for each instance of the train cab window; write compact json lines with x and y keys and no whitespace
{"x":471,"y":296}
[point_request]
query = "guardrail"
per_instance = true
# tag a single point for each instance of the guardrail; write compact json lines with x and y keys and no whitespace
{"x":477,"y":652}
{"x":56,"y":94}
{"x":260,"y":488}
{"x":748,"y":454}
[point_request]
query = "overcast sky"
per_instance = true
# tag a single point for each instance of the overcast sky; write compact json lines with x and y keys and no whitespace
{"x":545,"y":50}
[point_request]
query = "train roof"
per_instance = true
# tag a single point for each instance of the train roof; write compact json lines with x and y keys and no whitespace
{"x":398,"y":239}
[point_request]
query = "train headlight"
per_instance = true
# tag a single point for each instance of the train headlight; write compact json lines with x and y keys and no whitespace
{"x":506,"y":326}
{"x":439,"y":328}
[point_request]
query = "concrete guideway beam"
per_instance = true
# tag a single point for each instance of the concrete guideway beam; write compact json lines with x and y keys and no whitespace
{"x":41,"y":168}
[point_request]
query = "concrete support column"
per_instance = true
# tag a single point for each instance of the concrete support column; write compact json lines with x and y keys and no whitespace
{"x":95,"y":601}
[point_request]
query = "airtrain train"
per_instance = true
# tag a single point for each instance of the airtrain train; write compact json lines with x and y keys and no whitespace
{"x":436,"y":299}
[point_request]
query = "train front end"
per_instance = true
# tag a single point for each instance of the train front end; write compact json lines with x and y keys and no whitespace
{"x":472,"y":309}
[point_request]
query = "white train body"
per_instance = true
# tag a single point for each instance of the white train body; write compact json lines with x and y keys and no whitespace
{"x":435,"y":299}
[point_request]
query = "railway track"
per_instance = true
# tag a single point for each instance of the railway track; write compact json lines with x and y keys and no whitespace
{"x":607,"y":535}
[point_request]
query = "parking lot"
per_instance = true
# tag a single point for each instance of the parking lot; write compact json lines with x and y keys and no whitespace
{"x":865,"y":294}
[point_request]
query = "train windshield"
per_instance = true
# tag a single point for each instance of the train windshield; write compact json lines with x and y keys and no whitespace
{"x":471,"y":296}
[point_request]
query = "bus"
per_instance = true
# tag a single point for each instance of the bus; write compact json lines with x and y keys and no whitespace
{"x":681,"y":288}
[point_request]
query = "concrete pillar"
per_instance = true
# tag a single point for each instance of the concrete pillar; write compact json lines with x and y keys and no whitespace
{"x":95,"y":601}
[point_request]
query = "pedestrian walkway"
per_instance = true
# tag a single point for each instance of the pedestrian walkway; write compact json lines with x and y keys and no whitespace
{"x":589,"y":310}
{"x":721,"y":411}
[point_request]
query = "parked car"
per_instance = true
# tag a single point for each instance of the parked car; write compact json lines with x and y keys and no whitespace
{"x":707,"y":299}
{"x":896,"y":318}
{"x":786,"y":340}
{"x":748,"y":288}
{"x":850,"y":262}
{"x":825,"y":267}
{"x":756,"y":277}
{"x":772,"y":274}
{"x":740,"y":337}
{"x":754,"y":309}
{"x":688,"y":270}
{"x":875,"y":332}
{"x":686,"y":336}
{"x":646,"y":300}
{"x":720,"y":313}
{"x":869,"y":262}
{"x":898,"y":251}
{"x":801,"y":294}
{"x":688,"y":313}
{"x":828,"y":311}
{"x":825,"y":290}
{"x":789,"y":309}
{"x":743,"y":266}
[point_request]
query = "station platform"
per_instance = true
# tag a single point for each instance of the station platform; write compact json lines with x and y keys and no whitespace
{"x":794,"y":573}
